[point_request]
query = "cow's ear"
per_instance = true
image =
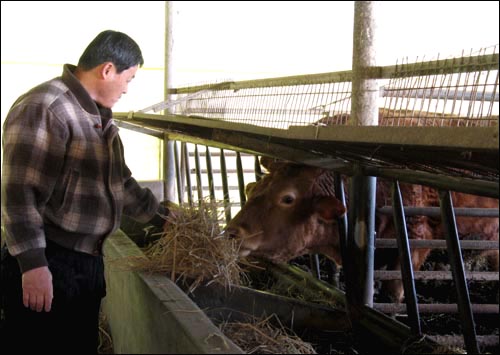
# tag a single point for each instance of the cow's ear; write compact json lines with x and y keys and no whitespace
{"x":272,"y":164}
{"x":249,"y":188}
{"x":329,"y":208}
{"x":266,"y":162}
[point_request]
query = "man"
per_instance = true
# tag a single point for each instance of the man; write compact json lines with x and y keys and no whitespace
{"x":65,"y":187}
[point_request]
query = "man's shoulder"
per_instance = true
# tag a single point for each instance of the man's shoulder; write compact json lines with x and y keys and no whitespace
{"x":46,"y":93}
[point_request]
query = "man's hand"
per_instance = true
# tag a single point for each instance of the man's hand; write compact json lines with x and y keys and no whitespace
{"x":172,"y":217}
{"x":173,"y":213}
{"x":38,"y":289}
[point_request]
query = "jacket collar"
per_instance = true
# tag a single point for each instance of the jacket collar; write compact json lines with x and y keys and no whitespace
{"x":83,"y":97}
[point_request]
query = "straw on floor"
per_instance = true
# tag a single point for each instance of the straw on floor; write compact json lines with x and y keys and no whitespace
{"x":265,"y":336}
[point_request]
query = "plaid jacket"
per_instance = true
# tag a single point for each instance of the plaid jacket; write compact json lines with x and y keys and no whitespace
{"x":64,"y":176}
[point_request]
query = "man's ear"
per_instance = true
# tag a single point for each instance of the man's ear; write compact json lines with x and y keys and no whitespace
{"x":106,"y":69}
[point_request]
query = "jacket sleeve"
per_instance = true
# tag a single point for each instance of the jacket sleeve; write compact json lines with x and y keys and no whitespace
{"x":33,"y":154}
{"x":140,"y":202}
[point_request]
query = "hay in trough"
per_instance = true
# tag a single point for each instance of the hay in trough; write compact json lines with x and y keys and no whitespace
{"x":262,"y":336}
{"x":192,"y":249}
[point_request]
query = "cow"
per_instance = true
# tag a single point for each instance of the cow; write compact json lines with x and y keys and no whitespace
{"x":413,"y":118}
{"x":293,"y":211}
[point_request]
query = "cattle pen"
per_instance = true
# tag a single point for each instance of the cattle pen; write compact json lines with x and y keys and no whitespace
{"x":430,"y":123}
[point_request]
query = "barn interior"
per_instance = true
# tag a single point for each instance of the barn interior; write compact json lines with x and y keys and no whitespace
{"x":429,"y":122}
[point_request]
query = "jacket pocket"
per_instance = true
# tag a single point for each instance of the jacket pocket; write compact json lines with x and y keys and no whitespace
{"x":68,"y":192}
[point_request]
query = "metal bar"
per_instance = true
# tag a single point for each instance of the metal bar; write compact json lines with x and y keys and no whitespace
{"x":180,"y":195}
{"x":364,"y":111}
{"x":342,"y":221}
{"x":429,"y":94}
{"x":437,"y":275}
{"x":168,"y":159}
{"x":443,"y":66}
{"x":181,"y":172}
{"x":187,"y":172}
{"x":223,"y":174}
{"x":219,"y":188}
{"x":221,"y":205}
{"x":457,"y":268}
{"x":169,"y":43}
{"x":484,"y":95}
{"x":314,"y":261}
{"x":199,"y":186}
{"x":342,"y":225}
{"x":360,"y":240}
{"x":435,"y":308}
{"x":495,"y":88}
{"x":230,"y":153}
{"x":229,"y":171}
{"x":405,"y":260}
{"x":168,"y":169}
{"x":436,"y":212}
{"x":210,"y":174}
{"x":257,"y":169}
{"x":439,"y":244}
{"x":241,"y":180}
{"x":139,"y":128}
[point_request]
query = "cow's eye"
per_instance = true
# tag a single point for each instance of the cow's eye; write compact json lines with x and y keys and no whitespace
{"x":287,"y":199}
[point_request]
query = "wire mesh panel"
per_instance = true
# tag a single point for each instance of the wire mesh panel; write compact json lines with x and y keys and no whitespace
{"x":275,"y":107}
{"x":461,"y":91}
{"x":446,"y":97}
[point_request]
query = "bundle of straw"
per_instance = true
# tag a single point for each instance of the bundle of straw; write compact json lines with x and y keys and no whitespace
{"x":192,"y":249}
{"x":261,"y":336}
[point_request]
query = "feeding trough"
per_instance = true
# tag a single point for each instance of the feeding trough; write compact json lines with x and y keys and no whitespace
{"x":148,"y":313}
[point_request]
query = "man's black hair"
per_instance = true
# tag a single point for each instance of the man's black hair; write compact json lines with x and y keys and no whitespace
{"x":111,"y":46}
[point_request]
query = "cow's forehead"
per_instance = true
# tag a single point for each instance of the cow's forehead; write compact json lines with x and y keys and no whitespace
{"x":282,"y":180}
{"x":296,"y":173}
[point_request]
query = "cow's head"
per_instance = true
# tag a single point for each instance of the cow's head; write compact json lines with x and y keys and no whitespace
{"x":288,"y":213}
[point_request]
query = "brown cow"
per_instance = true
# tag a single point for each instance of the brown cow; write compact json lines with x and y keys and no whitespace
{"x":409,"y":118}
{"x":292,"y":211}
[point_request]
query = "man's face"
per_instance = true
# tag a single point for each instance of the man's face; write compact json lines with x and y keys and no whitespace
{"x":114,"y":85}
